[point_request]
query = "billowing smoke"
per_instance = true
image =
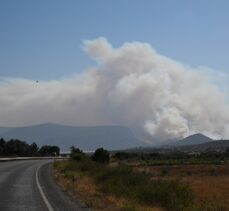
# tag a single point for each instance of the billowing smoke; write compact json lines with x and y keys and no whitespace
{"x":133,"y":86}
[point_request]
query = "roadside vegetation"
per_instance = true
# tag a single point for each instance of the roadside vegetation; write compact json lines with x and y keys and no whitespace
{"x":173,"y":158}
{"x":18,"y":148}
{"x":112,"y":181}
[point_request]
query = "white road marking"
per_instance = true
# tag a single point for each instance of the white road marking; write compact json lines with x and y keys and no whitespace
{"x":42,"y":192}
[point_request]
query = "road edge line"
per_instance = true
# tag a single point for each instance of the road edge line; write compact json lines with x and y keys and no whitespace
{"x":48,"y":205}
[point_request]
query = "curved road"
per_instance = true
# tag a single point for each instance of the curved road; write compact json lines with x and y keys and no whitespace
{"x":28,"y":186}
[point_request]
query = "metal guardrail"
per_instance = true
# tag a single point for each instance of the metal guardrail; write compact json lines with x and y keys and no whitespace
{"x":30,"y":158}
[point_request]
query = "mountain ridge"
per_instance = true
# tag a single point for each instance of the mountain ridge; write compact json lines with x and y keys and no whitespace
{"x":65,"y":136}
{"x":193,"y":139}
{"x":212,"y":145}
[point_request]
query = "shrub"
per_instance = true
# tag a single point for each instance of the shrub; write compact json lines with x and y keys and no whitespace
{"x":135,"y":186}
{"x":164,"y":172}
{"x":171,"y":195}
{"x":121,"y":180}
{"x":124,"y":181}
{"x":122,"y":155}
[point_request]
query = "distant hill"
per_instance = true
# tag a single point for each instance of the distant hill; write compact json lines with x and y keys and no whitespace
{"x":189,"y":144}
{"x":193,"y":140}
{"x":198,"y":143}
{"x":210,"y":146}
{"x":86,"y":138}
{"x":4,"y":129}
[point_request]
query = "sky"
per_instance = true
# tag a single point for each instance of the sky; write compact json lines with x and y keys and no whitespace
{"x":42,"y":40}
{"x":159,"y":67}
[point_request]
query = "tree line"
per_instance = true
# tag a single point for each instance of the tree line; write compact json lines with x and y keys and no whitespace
{"x":15,"y":147}
{"x":100,"y":155}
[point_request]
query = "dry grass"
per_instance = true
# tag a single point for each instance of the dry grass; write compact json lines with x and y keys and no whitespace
{"x":85,"y":190}
{"x":210,"y":188}
{"x":210,"y":183}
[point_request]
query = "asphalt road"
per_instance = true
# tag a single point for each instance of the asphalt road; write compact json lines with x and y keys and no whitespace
{"x":28,"y":186}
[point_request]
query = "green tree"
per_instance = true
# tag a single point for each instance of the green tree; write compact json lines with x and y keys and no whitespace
{"x":227,"y":152}
{"x":33,"y":148}
{"x":101,"y":155}
{"x":2,"y":146}
{"x":76,"y":153}
{"x":16,"y":147}
{"x":49,"y":150}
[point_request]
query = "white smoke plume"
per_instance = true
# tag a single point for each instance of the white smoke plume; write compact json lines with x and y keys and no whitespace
{"x":132,"y":85}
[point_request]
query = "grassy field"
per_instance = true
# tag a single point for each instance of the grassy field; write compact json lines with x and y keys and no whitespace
{"x":210,"y":183}
{"x":172,"y":187}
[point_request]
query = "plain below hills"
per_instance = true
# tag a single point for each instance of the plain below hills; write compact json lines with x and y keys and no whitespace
{"x":199,"y":142}
{"x":86,"y":138}
{"x":193,"y":143}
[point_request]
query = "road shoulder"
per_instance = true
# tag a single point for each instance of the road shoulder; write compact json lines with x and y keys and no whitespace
{"x":57,"y":197}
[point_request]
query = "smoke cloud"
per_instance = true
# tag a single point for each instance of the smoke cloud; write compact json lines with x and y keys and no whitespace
{"x":132,"y":85}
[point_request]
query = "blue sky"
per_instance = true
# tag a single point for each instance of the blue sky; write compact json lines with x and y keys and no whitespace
{"x":42,"y":40}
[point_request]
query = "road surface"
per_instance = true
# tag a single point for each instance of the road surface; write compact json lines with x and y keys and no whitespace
{"x":28,"y":186}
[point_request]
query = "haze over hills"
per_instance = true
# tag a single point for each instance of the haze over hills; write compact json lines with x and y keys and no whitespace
{"x":90,"y":138}
{"x":86,"y":138}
